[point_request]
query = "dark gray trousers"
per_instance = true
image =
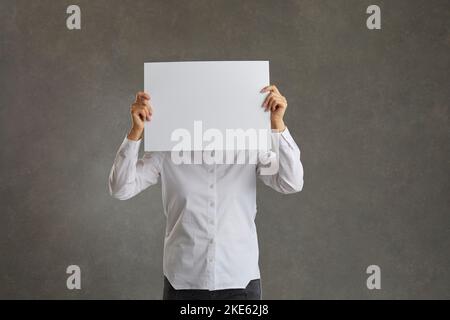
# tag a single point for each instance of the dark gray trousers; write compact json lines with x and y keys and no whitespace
{"x":251,"y":292}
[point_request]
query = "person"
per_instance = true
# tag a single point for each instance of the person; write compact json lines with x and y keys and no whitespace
{"x":211,"y":245}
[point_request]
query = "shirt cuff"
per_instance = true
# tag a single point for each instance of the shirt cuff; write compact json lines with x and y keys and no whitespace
{"x":130,"y":148}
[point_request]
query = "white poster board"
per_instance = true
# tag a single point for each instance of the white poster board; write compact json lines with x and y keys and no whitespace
{"x":220,"y":95}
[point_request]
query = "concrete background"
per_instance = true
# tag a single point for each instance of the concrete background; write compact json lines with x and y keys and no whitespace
{"x":368,"y":108}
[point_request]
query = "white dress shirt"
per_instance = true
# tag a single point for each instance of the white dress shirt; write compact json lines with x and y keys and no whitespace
{"x":210,"y":238}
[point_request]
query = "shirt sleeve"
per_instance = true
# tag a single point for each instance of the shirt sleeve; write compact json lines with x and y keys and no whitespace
{"x":130,"y":175}
{"x":284,"y":171}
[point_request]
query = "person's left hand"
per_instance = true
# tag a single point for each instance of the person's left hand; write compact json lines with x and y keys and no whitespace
{"x":276,"y":104}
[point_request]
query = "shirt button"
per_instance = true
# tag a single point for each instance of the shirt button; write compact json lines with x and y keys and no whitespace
{"x":211,"y":170}
{"x":211,"y":204}
{"x":212,"y":241}
{"x":211,"y":186}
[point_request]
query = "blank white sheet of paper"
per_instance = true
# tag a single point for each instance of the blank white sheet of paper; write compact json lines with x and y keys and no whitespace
{"x":220,"y":95}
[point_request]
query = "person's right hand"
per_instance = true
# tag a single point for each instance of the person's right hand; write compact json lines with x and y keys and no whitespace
{"x":141,"y":111}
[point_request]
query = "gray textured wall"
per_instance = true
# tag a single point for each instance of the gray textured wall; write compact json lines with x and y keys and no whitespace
{"x":368,"y":108}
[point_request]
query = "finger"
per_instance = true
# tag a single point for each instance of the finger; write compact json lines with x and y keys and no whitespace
{"x":273,"y":104}
{"x":138,"y":96}
{"x":270,"y":88}
{"x":145,"y":103}
{"x":150,"y":108}
{"x":135,"y":106}
{"x":269,"y":96}
{"x":141,"y":113}
{"x":266,"y":88}
{"x":142,"y":110}
{"x":142,"y":100}
{"x":269,"y":103}
{"x":273,"y":98}
{"x":266,"y":102}
{"x":282,"y":103}
{"x":141,"y":96}
{"x":275,"y":95}
{"x":273,"y":101}
{"x":148,"y":113}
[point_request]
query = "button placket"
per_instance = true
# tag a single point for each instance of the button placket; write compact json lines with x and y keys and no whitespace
{"x":211,"y":205}
{"x":211,"y":265}
{"x":212,"y":199}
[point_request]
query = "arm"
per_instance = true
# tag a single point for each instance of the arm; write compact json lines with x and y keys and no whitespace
{"x":288,"y":174}
{"x":129,"y":176}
